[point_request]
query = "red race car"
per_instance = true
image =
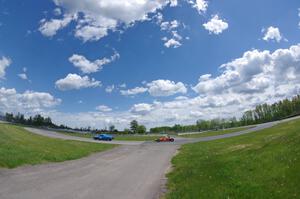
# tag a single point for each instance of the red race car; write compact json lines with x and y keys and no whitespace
{"x":165,"y":139}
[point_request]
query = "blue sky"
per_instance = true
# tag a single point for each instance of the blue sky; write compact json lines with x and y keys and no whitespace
{"x":161,"y":62}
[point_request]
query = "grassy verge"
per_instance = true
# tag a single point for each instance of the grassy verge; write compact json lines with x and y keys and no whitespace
{"x":136,"y":138}
{"x":117,"y":137}
{"x":84,"y":135}
{"x":214,"y":133}
{"x":264,"y":164}
{"x":19,"y":147}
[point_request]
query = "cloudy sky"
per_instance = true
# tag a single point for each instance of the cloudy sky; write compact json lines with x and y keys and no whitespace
{"x":102,"y":62}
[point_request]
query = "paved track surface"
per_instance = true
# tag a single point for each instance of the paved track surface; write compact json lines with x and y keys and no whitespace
{"x":126,"y":172}
{"x":134,"y":170}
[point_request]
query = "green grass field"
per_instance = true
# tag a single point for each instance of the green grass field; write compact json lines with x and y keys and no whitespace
{"x":118,"y":137}
{"x":19,"y":147}
{"x":136,"y":138}
{"x":214,"y":133}
{"x":263,"y":164}
{"x":86,"y":135}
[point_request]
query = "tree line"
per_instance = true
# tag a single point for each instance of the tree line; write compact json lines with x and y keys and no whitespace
{"x":40,"y":121}
{"x":261,"y":114}
{"x":201,"y":125}
{"x":36,"y":120}
{"x":266,"y":113}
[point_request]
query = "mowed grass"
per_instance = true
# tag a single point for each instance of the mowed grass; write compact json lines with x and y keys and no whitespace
{"x":136,"y":138}
{"x":214,"y":133}
{"x":263,"y":164}
{"x":117,"y":137}
{"x":20,"y":147}
{"x":84,"y":135}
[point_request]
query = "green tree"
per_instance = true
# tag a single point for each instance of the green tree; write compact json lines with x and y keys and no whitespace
{"x":126,"y":131}
{"x":141,"y":129}
{"x":48,"y":121}
{"x":177,"y":128}
{"x":9,"y":117}
{"x":134,"y":126}
{"x":112,"y":128}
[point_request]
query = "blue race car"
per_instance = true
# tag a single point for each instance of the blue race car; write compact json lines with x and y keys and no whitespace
{"x":104,"y":137}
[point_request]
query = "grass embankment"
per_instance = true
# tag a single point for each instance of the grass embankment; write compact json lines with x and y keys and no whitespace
{"x":19,"y":147}
{"x":214,"y":133}
{"x":264,"y":164}
{"x":84,"y":135}
{"x":136,"y":138}
{"x":117,"y":137}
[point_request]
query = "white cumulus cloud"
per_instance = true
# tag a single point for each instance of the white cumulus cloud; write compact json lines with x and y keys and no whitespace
{"x":96,"y":18}
{"x":23,"y":76}
{"x":158,"y":88}
{"x":57,"y":11}
{"x":173,"y":3}
{"x":74,"y":81}
{"x":110,"y":89}
{"x":172,"y":43}
{"x":87,"y":66}
{"x":4,"y":63}
{"x":134,"y":91}
{"x":27,"y":102}
{"x":200,"y":5}
{"x":256,"y":71}
{"x":103,"y":108}
{"x":169,"y":25}
{"x":216,"y":25}
{"x":50,"y":28}
{"x":165,"y":88}
{"x":141,"y":109}
{"x":272,"y":34}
